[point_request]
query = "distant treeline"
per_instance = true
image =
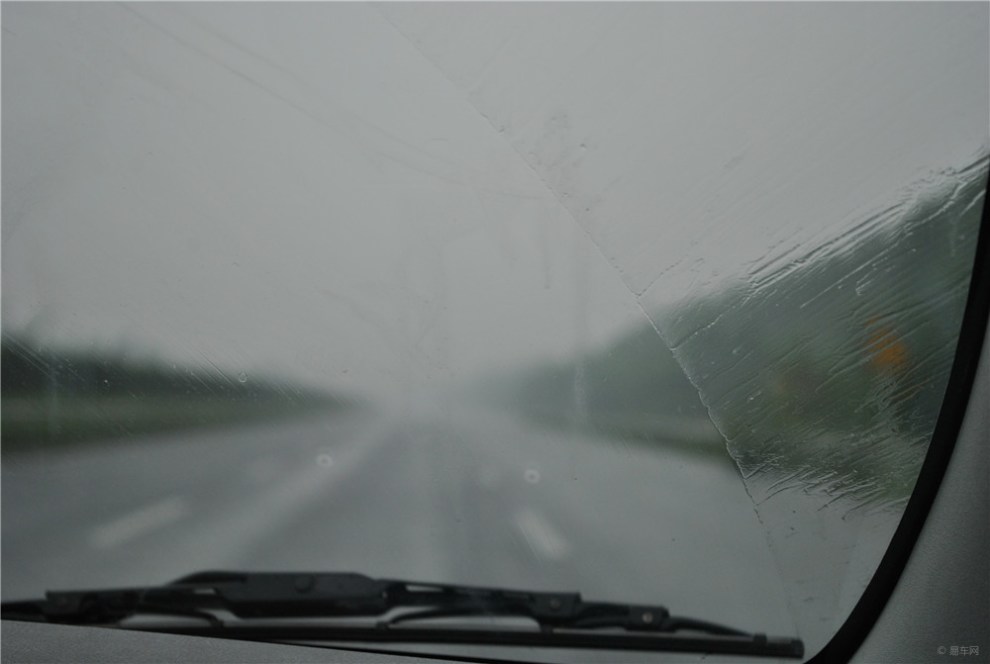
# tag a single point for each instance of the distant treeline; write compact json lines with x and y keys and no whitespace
{"x":31,"y":368}
{"x":828,"y":365}
{"x":633,"y":387}
{"x":56,"y":395}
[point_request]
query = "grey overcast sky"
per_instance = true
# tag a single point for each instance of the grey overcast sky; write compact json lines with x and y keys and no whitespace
{"x":385,"y":197}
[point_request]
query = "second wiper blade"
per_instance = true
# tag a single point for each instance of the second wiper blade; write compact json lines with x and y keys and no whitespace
{"x":251,"y":596}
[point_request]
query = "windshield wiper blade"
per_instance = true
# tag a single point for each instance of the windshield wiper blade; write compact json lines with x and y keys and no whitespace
{"x":564,"y":619}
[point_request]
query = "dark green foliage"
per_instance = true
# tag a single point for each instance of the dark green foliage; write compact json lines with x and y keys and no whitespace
{"x":54,"y":396}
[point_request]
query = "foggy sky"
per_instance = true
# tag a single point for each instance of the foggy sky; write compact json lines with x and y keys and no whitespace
{"x":384,"y":198}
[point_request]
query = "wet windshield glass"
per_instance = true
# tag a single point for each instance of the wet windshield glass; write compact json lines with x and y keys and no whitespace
{"x":654,"y":302}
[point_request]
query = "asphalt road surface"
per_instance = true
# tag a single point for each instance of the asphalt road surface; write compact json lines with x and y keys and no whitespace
{"x":465,"y":497}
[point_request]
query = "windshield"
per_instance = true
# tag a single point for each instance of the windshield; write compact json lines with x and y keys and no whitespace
{"x":654,"y":302}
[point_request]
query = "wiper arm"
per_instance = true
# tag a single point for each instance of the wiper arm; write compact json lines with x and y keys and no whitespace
{"x":564,"y":619}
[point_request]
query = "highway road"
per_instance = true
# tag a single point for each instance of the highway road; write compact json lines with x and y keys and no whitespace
{"x":455,"y":496}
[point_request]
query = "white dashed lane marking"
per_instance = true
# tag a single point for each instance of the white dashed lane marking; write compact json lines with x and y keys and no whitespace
{"x":541,"y":536}
{"x":139,"y":522}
